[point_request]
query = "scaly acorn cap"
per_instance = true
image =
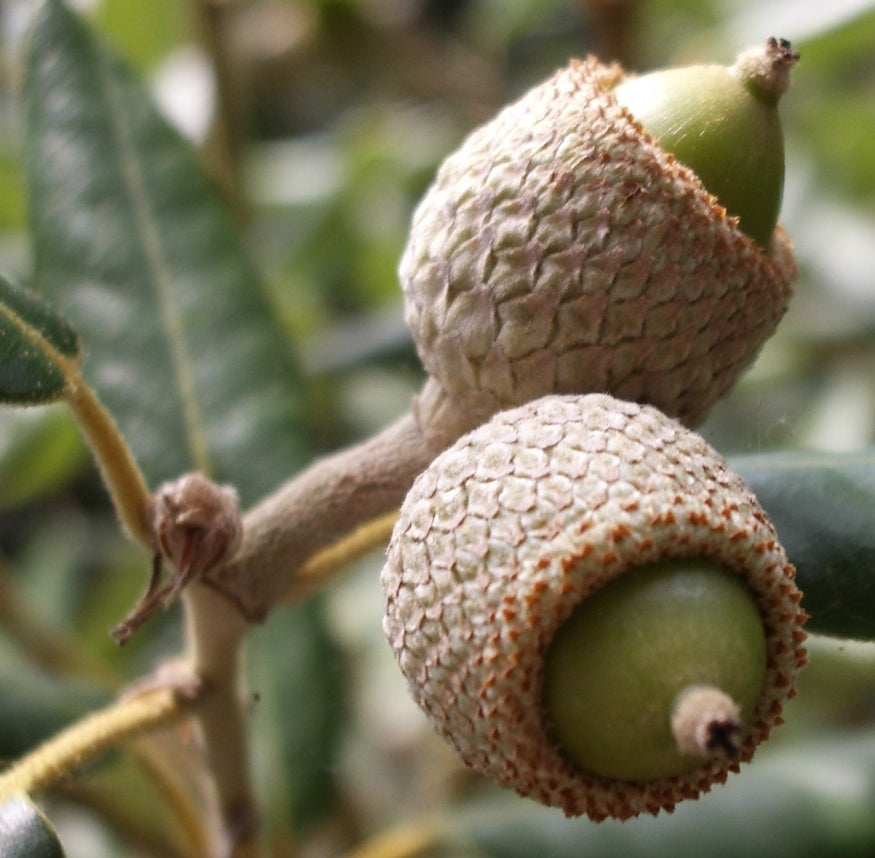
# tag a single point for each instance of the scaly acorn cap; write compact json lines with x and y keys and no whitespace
{"x":519,"y":522}
{"x":561,"y":249}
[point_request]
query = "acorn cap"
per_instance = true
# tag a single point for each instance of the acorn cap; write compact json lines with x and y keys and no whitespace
{"x":513,"y":526}
{"x":560,"y":249}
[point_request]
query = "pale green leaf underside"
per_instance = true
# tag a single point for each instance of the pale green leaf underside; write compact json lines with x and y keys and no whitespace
{"x":134,"y":243}
{"x":25,"y":832}
{"x":823,"y":507}
{"x":35,"y":345}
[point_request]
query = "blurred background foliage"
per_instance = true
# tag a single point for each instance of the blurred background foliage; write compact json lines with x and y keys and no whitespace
{"x":322,"y":122}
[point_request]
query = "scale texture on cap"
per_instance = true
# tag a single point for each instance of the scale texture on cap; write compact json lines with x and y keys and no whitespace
{"x":560,"y":249}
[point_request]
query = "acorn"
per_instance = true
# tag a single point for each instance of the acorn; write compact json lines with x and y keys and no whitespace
{"x":563,"y":248}
{"x":591,"y":607}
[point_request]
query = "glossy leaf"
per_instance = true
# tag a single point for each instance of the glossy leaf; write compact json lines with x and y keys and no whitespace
{"x":25,"y":832}
{"x":134,"y":242}
{"x":35,"y":345}
{"x":823,"y":507}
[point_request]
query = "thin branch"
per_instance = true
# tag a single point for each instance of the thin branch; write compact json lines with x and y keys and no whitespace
{"x":92,"y":736}
{"x":226,"y":140}
{"x":335,"y":496}
{"x":215,"y":631}
{"x":158,"y":757}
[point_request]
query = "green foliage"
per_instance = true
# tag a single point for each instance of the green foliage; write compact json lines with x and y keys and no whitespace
{"x":133,"y":241}
{"x":25,"y":832}
{"x":823,"y":507}
{"x":35,"y":342}
{"x":41,"y":451}
{"x":343,"y":118}
{"x":36,"y":705}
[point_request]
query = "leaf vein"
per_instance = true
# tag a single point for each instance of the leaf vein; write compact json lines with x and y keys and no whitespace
{"x":149,"y":236}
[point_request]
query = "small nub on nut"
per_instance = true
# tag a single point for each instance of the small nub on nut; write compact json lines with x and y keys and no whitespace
{"x":706,"y":721}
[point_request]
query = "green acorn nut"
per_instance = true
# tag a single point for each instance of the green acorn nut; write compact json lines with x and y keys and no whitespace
{"x":608,"y":694}
{"x":562,"y":249}
{"x":723,"y":123}
{"x":591,"y":607}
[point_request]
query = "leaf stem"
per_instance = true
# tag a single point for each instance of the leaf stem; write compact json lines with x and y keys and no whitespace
{"x":90,"y":737}
{"x":121,"y":473}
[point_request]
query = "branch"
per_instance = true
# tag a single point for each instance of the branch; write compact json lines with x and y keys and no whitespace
{"x":215,"y":631}
{"x":334,"y":497}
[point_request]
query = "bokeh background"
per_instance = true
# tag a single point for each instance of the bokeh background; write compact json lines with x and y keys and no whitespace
{"x":323,"y":121}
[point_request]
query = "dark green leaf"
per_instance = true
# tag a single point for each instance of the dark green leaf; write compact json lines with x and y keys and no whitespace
{"x":36,"y":706}
{"x":134,"y":242}
{"x":25,"y":832}
{"x":294,"y":670}
{"x":823,"y":507}
{"x":810,"y":802}
{"x":34,"y":343}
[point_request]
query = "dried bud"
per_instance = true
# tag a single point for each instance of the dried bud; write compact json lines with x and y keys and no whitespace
{"x":561,"y":249}
{"x":196,"y":525}
{"x":526,"y":521}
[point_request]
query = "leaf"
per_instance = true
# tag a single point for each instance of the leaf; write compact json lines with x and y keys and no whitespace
{"x":36,"y":706}
{"x":808,"y":802}
{"x":25,"y":832}
{"x":823,"y":507}
{"x":36,"y":345}
{"x":134,"y":242}
{"x":298,"y":719}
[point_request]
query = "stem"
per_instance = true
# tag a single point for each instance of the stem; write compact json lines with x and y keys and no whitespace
{"x":216,"y":20}
{"x":121,"y":474}
{"x":333,"y":497}
{"x":766,"y":71}
{"x":215,"y":631}
{"x":90,"y":737}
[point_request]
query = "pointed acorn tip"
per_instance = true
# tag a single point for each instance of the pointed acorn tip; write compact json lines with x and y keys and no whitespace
{"x":766,"y":70}
{"x":706,"y":721}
